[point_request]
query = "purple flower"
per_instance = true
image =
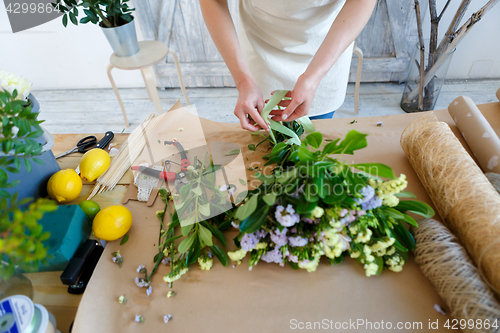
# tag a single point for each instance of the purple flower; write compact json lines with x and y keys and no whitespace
{"x":279,"y":237}
{"x":297,"y":241}
{"x":293,"y":258}
{"x":248,"y":242}
{"x":367,"y":193}
{"x":261,"y":233}
{"x":311,"y":221}
{"x":273,"y":256}
{"x":286,"y":217}
{"x":373,"y":203}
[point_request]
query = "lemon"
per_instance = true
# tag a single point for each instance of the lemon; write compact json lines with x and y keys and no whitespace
{"x":112,"y":223}
{"x":90,"y":208}
{"x":64,"y":185}
{"x":93,"y":164}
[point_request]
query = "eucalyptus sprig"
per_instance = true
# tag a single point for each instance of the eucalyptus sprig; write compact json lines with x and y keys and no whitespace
{"x":19,"y":127}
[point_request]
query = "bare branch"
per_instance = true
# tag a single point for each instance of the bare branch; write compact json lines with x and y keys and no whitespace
{"x":422,"y":56}
{"x":454,"y":24}
{"x":444,"y":9}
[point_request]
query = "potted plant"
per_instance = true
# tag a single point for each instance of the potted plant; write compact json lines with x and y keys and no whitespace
{"x":21,"y":237}
{"x":113,"y":16}
{"x":22,"y":138}
{"x":429,"y":65}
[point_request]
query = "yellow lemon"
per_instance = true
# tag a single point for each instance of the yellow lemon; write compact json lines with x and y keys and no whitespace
{"x":112,"y":223}
{"x":93,"y":164}
{"x":90,"y":208}
{"x":64,"y":185}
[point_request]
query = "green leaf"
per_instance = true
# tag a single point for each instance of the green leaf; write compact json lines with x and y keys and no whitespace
{"x":330,"y":148}
{"x":233,"y":152}
{"x":194,"y":252}
{"x":307,"y":124}
{"x":205,"y":235}
{"x":242,"y":182}
{"x":197,"y":191}
{"x":204,"y":209}
{"x":27,"y":164}
{"x":251,"y":147}
{"x":221,"y":255}
{"x":217,"y":233}
{"x":294,"y":138}
{"x":72,"y":18}
{"x":264,"y":178}
{"x":404,"y":236}
{"x":247,"y":208}
{"x":269,"y":198}
{"x":186,"y":243}
{"x":399,"y":216}
{"x":273,"y":101}
{"x":305,"y":155}
{"x":375,"y":169}
{"x":417,"y":207}
{"x":124,"y":239}
{"x":380,"y":263}
{"x":405,"y":194}
{"x":253,"y":222}
{"x":314,"y":139}
{"x":186,"y":229}
{"x":353,"y":141}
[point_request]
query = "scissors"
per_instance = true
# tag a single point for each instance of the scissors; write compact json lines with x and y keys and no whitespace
{"x":88,"y":143}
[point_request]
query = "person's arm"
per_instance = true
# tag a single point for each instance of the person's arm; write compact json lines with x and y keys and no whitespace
{"x":220,"y":25}
{"x":349,"y":23}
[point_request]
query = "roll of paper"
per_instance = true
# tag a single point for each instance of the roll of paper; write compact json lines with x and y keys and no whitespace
{"x":498,"y":94}
{"x":463,"y":196}
{"x":477,"y":132}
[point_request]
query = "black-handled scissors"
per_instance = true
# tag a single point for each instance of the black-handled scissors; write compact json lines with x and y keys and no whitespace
{"x":88,"y":143}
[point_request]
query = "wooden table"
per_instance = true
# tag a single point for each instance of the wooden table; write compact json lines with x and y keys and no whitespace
{"x":48,"y":288}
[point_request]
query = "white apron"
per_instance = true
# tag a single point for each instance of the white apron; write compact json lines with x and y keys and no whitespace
{"x":279,"y":39}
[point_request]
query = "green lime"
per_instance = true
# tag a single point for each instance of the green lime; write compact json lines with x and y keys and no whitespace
{"x":90,"y":208}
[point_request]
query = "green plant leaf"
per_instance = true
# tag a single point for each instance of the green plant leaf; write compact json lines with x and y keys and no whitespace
{"x":242,"y":182}
{"x":269,"y":198}
{"x":353,"y":141}
{"x":375,"y":169}
{"x":330,"y":147}
{"x":417,"y":207}
{"x":405,"y":194}
{"x":186,"y":243}
{"x":221,"y":255}
{"x":273,"y":101}
{"x":399,"y":216}
{"x":314,"y":139}
{"x":233,"y":152}
{"x":204,"y":209}
{"x":124,"y":239}
{"x":247,"y":208}
{"x":253,"y":222}
{"x":65,"y":20}
{"x":186,"y":229}
{"x":305,"y":155}
{"x":217,"y":233}
{"x":307,"y":124}
{"x":265,"y":178}
{"x":194,"y":252}
{"x":404,"y":236}
{"x":294,"y":139}
{"x":205,"y":235}
{"x":251,"y":147}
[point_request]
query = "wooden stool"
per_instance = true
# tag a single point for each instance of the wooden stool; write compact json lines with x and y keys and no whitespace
{"x":150,"y":53}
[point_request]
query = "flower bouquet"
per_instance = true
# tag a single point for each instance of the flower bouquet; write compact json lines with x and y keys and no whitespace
{"x":309,"y":203}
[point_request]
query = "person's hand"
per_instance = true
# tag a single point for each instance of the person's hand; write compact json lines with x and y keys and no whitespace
{"x":302,"y":97}
{"x":248,"y":107}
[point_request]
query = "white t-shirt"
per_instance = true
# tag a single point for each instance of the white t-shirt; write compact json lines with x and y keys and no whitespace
{"x":279,"y":39}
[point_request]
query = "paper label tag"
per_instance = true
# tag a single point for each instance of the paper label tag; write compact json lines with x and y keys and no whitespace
{"x":16,"y":314}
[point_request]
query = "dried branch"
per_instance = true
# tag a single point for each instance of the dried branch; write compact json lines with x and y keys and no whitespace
{"x":454,"y":24}
{"x":444,"y":9}
{"x":422,"y":56}
{"x":454,"y":40}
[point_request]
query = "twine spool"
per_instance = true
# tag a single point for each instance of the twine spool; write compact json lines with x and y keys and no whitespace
{"x":449,"y":268}
{"x":462,"y":195}
{"x":494,"y":179}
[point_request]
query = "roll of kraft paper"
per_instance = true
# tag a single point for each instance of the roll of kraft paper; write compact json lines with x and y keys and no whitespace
{"x":464,"y":198}
{"x":445,"y":262}
{"x":480,"y":136}
{"x":498,"y":94}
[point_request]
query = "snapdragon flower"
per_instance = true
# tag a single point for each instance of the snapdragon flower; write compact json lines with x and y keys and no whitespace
{"x":286,"y":217}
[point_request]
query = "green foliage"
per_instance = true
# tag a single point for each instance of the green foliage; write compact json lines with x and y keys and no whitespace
{"x":106,"y":13}
{"x":21,"y":237}
{"x":19,"y":127}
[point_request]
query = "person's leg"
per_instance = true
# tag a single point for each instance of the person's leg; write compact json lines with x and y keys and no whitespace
{"x":328,"y":115}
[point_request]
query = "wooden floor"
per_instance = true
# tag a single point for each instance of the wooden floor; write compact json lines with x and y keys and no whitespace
{"x":97,"y":110}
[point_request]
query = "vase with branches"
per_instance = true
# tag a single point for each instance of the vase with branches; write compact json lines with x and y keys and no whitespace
{"x":429,"y":65}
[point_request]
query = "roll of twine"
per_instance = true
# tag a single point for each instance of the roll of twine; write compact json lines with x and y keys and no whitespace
{"x":494,"y":179}
{"x":462,"y":195}
{"x":445,"y":262}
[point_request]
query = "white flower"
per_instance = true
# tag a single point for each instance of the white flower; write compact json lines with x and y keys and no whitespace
{"x":171,"y":279}
{"x":139,"y":319}
{"x":236,"y":255}
{"x":289,"y":218}
{"x":317,"y":212}
{"x":149,"y":291}
{"x":141,"y":269}
{"x":167,"y":318}
{"x":11,"y":82}
{"x":371,"y":269}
